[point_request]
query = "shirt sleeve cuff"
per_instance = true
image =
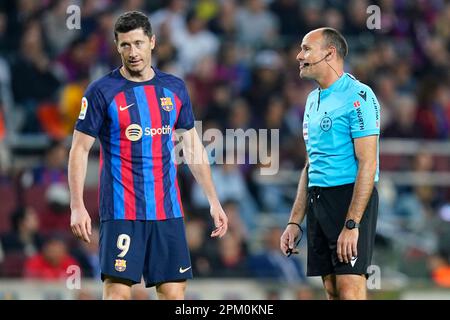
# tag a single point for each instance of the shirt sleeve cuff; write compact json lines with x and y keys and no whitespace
{"x":365,"y":133}
{"x":88,"y":132}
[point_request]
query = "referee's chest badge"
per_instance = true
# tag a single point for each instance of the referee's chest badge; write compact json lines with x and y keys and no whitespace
{"x":120,"y":265}
{"x":166,"y":104}
{"x":326,"y":123}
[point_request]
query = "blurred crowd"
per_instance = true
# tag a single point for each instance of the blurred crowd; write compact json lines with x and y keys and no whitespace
{"x":237,"y":58}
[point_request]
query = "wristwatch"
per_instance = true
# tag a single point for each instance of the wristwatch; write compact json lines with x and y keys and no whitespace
{"x":351,"y":224}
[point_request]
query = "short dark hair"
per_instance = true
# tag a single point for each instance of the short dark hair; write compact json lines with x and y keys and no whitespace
{"x":334,"y":38}
{"x":132,"y":20}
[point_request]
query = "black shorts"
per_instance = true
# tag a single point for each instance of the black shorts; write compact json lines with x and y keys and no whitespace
{"x":326,"y":213}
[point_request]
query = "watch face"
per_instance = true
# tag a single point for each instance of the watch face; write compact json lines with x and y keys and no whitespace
{"x":350,"y":224}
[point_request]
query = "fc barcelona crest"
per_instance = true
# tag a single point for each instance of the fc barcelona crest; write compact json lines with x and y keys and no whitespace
{"x":166,"y":104}
{"x":120,"y":265}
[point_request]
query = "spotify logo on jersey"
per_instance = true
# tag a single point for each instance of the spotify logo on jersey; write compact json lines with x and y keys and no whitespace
{"x":133,"y":132}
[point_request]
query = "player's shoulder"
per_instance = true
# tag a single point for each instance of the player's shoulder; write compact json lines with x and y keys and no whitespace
{"x":106,"y":87}
{"x":104,"y":82}
{"x":171,"y":82}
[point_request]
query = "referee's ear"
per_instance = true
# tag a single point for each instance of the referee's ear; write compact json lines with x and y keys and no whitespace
{"x":331,"y":53}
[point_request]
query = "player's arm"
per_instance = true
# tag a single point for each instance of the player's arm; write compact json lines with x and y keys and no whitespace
{"x":197,"y":160}
{"x":292,"y":232}
{"x":80,"y":221}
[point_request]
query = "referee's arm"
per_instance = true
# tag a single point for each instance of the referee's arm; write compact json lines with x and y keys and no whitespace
{"x":366,"y":154}
{"x":292,"y":232}
{"x":299,"y":208}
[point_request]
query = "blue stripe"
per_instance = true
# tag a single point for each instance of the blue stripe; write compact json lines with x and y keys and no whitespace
{"x":136,"y":157}
{"x":147,"y":165}
{"x":119,"y":210}
{"x":176,"y":206}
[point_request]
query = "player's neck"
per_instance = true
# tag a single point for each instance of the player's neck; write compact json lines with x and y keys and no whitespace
{"x":329,"y":78}
{"x":147,"y":74}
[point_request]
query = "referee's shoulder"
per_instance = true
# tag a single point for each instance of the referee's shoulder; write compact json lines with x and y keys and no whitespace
{"x":358,"y":88}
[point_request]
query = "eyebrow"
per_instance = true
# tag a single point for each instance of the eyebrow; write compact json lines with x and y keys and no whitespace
{"x":127,"y":42}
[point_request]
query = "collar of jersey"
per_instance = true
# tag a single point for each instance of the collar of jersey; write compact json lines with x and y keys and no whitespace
{"x":118,"y":74}
{"x":335,"y":86}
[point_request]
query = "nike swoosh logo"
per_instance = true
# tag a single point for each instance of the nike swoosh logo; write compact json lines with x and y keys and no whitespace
{"x":353,"y":261}
{"x":126,"y":107}
{"x":183,"y":270}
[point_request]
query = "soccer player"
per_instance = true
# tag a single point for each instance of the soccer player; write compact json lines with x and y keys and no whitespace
{"x":336,"y":191}
{"x":134,"y":111}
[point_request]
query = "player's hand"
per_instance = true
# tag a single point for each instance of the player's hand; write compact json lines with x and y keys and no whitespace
{"x":80,"y":223}
{"x":288,"y":238}
{"x":347,"y":245}
{"x":220,"y":221}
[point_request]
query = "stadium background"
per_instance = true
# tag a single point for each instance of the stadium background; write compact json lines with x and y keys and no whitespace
{"x":238,"y":61}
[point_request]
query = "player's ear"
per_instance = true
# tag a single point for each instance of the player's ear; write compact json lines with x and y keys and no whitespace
{"x":117,"y":45}
{"x":152,"y":42}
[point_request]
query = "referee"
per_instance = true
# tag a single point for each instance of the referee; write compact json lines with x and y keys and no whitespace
{"x":336,"y":191}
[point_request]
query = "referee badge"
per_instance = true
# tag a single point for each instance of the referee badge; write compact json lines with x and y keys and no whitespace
{"x":326,"y":124}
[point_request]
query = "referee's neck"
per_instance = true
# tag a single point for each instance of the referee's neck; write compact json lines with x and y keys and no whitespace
{"x":329,"y":78}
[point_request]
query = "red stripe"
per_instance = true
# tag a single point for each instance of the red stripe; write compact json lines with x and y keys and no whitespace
{"x":153,"y":104}
{"x":125,"y":159}
{"x":178,"y":104}
{"x":100,"y":168}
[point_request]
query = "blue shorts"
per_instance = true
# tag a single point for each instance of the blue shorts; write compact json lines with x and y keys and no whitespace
{"x":156,"y":250}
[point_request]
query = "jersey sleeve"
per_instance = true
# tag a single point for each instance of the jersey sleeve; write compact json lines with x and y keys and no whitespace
{"x":92,"y":112}
{"x":186,"y":117}
{"x":365,"y":114}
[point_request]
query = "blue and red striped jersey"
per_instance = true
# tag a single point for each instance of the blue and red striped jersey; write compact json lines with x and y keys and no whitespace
{"x":134,"y":122}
